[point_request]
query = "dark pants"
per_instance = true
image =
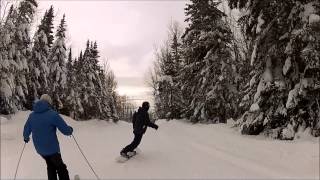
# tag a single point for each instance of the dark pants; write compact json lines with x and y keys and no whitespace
{"x":134,"y":144}
{"x":56,"y":166}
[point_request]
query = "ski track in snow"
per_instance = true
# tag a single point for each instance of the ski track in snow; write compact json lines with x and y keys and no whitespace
{"x":177,"y":150}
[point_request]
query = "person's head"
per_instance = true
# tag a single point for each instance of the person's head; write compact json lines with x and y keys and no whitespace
{"x":145,"y":105}
{"x":47,"y":98}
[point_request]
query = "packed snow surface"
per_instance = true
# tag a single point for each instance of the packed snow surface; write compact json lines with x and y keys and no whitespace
{"x":177,"y":150}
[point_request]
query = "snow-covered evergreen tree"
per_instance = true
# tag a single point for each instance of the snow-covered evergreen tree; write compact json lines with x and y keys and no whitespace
{"x":7,"y":65}
{"x":38,"y":64}
{"x":90,"y":88}
{"x":80,"y":88}
{"x":93,"y":87}
{"x":74,"y":84}
{"x":164,"y":85}
{"x":241,"y":66}
{"x":108,"y":95}
{"x":15,"y":50}
{"x":284,"y":89}
{"x":25,"y":14}
{"x":208,"y":75}
{"x":70,"y":102}
{"x":177,"y":102}
{"x":57,"y":67}
{"x":47,"y":26}
{"x":167,"y":92}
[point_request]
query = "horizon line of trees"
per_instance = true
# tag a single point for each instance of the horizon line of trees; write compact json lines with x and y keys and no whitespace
{"x":262,"y":69}
{"x":30,"y":67}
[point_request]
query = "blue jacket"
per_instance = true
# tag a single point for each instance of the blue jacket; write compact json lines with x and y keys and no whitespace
{"x":43,"y":123}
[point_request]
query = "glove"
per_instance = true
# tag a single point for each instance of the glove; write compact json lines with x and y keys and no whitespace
{"x":71,"y":130}
{"x":156,"y":127}
{"x":26,"y":140}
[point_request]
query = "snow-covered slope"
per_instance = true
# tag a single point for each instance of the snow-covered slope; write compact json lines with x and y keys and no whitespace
{"x":176,"y":150}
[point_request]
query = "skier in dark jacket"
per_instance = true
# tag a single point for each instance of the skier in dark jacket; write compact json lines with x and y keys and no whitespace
{"x":43,"y":123}
{"x":140,"y":123}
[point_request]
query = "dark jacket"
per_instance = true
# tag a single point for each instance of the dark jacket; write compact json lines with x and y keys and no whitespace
{"x":43,"y":123}
{"x":142,"y":121}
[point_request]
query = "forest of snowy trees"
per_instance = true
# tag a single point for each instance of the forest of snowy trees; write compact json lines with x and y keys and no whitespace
{"x":32,"y":66}
{"x":262,"y":69}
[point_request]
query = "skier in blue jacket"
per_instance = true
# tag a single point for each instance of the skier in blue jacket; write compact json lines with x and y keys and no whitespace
{"x":43,"y":123}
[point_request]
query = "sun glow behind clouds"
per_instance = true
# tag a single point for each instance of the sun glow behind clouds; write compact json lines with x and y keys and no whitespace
{"x":133,"y":91}
{"x":137,"y":94}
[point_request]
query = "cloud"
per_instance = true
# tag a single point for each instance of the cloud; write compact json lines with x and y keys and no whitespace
{"x":126,"y":31}
{"x":122,"y":68}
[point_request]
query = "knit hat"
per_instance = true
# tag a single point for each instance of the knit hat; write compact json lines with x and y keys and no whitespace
{"x":145,"y":105}
{"x":47,"y":98}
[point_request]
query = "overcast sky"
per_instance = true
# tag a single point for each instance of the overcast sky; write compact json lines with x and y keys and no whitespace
{"x":126,"y":32}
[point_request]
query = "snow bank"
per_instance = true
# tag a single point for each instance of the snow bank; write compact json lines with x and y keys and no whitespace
{"x":308,"y":9}
{"x":254,"y":107}
{"x":304,"y":135}
{"x":288,"y":133}
{"x":314,"y":18}
{"x":3,"y":120}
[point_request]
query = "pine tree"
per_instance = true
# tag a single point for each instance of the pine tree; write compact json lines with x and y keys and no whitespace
{"x":177,"y":103}
{"x":284,"y":89}
{"x":77,"y":88}
{"x":105,"y":97}
{"x":90,"y":89}
{"x":76,"y":109}
{"x":240,"y":66}
{"x":38,"y":63}
{"x":7,"y":65}
{"x":57,"y":66}
{"x":108,"y":96}
{"x":72,"y":103}
{"x":94,"y":86}
{"x":15,"y":50}
{"x":25,"y":14}
{"x":207,"y":75}
{"x":69,"y":67}
{"x":47,"y":26}
{"x":167,"y":93}
{"x":163,"y":98}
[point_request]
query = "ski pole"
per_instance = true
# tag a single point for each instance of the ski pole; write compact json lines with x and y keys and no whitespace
{"x":85,"y":157}
{"x":15,"y":175}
